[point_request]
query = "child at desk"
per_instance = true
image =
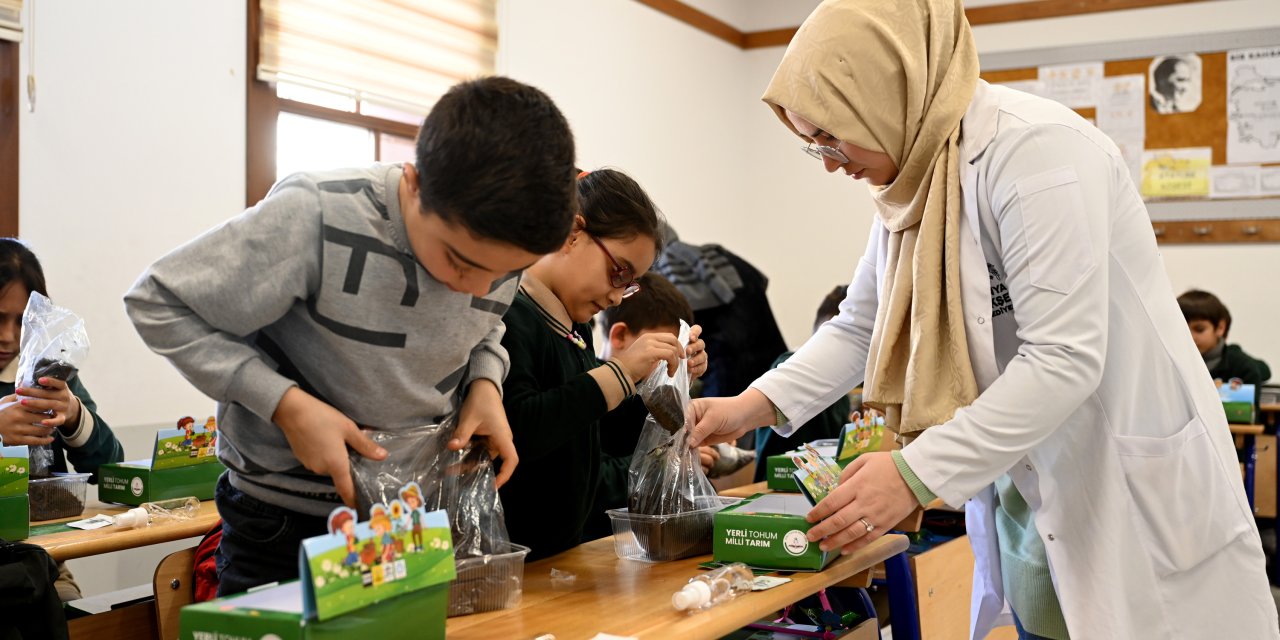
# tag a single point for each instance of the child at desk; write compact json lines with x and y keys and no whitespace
{"x":1210,"y":323}
{"x":559,"y":393}
{"x":370,"y":296}
{"x":75,"y":431}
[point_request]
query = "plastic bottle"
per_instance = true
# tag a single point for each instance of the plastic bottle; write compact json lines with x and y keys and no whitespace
{"x":160,"y":511}
{"x":714,"y":587}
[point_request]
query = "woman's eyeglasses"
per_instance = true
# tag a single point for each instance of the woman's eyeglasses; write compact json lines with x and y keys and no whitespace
{"x":620,"y":277}
{"x":818,"y":152}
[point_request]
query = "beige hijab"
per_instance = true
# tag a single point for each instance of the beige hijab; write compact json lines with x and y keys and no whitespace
{"x":897,"y":76}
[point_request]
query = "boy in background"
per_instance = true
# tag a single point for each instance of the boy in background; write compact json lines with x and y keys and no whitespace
{"x":826,"y":424}
{"x":1210,"y":323}
{"x":368,"y":297}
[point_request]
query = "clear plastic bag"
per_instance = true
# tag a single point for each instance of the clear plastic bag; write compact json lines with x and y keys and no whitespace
{"x":460,"y":482}
{"x":54,"y":344}
{"x":665,"y":476}
{"x":490,"y":568}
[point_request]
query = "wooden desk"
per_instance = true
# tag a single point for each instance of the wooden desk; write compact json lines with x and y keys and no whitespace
{"x":747,"y":490}
{"x":64,"y":543}
{"x":630,"y":598}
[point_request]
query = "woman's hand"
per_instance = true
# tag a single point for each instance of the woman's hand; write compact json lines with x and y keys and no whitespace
{"x":56,"y":400}
{"x":696,"y":352}
{"x":871,"y":492}
{"x":639,"y":359}
{"x":717,"y":420}
{"x":19,"y":426}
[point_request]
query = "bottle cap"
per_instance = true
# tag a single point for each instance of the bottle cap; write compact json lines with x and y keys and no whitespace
{"x":136,"y":517}
{"x":694,"y":595}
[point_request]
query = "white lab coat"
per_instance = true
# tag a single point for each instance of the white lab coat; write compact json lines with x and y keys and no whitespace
{"x":1106,"y":419}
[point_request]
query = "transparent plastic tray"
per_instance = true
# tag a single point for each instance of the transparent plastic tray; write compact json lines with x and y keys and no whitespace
{"x":649,"y":538}
{"x":58,"y":496}
{"x":488,"y":583}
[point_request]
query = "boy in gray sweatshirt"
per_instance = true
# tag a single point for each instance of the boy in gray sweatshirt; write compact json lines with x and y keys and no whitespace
{"x":360,"y":298}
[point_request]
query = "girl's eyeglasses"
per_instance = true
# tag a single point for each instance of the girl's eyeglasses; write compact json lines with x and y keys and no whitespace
{"x":620,"y":277}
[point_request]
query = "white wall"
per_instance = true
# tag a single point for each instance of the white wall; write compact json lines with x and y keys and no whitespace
{"x":135,"y":146}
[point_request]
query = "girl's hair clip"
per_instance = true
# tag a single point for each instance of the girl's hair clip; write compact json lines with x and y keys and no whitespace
{"x":583,"y":174}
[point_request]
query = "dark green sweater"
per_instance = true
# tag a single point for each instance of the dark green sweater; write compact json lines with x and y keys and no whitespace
{"x":555,"y":410}
{"x":1238,"y":364}
{"x":102,"y":447}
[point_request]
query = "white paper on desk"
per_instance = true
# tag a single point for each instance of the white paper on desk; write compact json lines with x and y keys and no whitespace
{"x":1235,"y":182}
{"x":1269,"y":181}
{"x":96,"y":522}
{"x":1253,"y":91}
{"x":1075,"y":85}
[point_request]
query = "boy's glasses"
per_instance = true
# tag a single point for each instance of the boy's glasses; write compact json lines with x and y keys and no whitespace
{"x":620,"y":277}
{"x":819,"y":151}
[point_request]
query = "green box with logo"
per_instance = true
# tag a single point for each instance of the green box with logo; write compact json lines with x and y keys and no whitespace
{"x":15,"y":506}
{"x":135,"y":482}
{"x":778,"y":469}
{"x":767,"y":531}
{"x":276,"y":612}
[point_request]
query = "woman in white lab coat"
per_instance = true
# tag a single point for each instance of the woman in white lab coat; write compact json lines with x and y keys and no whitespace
{"x":1012,"y":317}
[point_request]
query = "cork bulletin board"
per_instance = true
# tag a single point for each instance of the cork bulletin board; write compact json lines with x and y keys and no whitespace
{"x":1203,"y":128}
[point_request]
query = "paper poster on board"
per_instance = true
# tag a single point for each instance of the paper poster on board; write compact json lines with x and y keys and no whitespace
{"x":1253,"y":105}
{"x":1175,"y":83}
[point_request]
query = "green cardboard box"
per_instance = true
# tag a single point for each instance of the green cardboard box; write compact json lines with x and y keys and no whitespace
{"x":778,"y":469}
{"x":135,"y":482}
{"x":767,"y":531}
{"x":184,"y":462}
{"x":1238,"y":401}
{"x":15,"y":507}
{"x":278,"y":610}
{"x":15,"y":514}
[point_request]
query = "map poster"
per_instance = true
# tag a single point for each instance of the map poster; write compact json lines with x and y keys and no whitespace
{"x":1253,"y":105}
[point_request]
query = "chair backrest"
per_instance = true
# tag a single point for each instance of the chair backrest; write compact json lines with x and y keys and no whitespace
{"x":174,"y":589}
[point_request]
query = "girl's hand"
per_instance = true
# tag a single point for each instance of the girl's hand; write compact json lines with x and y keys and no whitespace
{"x":639,"y":359}
{"x":56,"y":399}
{"x":696,"y":352}
{"x":19,"y":426}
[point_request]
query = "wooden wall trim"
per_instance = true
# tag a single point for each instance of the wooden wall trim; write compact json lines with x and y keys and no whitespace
{"x":995,"y":14}
{"x":381,"y":125}
{"x":261,"y":111}
{"x":698,"y":19}
{"x":9,"y":100}
{"x":1217,"y":231}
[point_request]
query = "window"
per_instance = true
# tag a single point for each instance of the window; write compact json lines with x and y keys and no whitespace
{"x":339,"y":84}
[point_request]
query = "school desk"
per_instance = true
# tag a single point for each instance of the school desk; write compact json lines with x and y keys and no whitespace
{"x":630,"y":598}
{"x":64,"y":543}
{"x":1259,"y":467}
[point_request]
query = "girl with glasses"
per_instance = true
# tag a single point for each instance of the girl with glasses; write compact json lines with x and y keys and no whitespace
{"x":558,"y":394}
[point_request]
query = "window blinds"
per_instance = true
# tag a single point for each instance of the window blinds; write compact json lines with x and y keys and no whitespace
{"x":402,"y":54}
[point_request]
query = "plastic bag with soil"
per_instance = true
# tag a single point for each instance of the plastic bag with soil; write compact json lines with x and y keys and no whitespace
{"x":665,"y":477}
{"x":54,"y":344}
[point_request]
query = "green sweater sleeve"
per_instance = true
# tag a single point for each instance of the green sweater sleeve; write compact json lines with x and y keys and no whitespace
{"x":923,"y":494}
{"x":549,"y":402}
{"x":102,"y":446}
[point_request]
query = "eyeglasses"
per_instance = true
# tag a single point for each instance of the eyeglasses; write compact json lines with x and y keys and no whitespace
{"x":820,"y":151}
{"x":620,"y":277}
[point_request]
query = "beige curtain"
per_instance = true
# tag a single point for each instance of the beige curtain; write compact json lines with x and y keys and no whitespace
{"x":11,"y":20}
{"x":402,"y":54}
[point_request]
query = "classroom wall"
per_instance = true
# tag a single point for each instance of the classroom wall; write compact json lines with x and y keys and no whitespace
{"x":135,"y":146}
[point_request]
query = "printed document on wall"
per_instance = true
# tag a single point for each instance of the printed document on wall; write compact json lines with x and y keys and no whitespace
{"x":1176,"y":173}
{"x":1253,"y":105}
{"x":1122,"y":116}
{"x":1075,"y":85}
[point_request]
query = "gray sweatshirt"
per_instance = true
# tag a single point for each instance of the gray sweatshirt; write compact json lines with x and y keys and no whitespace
{"x":315,"y":286}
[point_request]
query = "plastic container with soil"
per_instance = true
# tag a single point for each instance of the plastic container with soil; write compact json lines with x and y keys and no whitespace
{"x":58,"y":496}
{"x":488,"y":583}
{"x":650,"y":538}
